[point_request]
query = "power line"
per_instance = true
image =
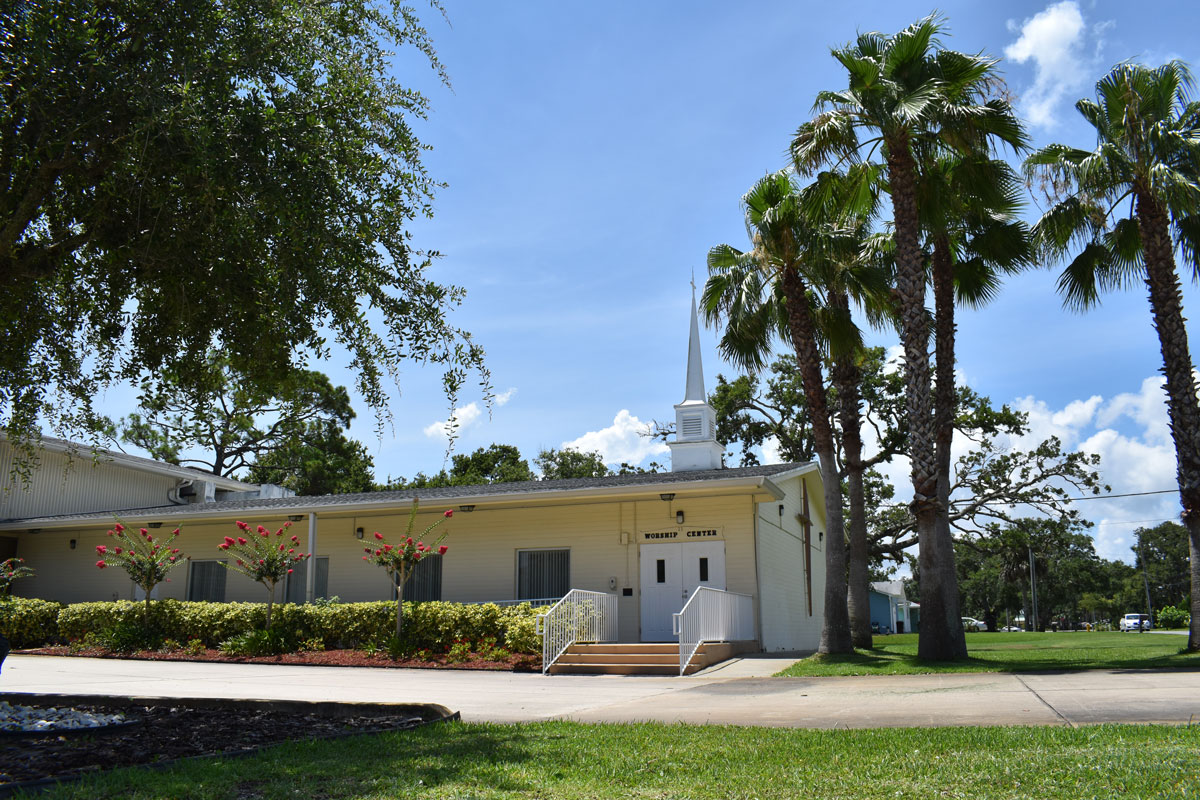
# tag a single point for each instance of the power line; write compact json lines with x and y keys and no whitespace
{"x":1062,"y":500}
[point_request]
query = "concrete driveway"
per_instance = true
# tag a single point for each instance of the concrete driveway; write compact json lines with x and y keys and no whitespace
{"x":738,"y":694}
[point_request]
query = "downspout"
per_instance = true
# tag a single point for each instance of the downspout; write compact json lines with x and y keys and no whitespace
{"x":757,"y":579}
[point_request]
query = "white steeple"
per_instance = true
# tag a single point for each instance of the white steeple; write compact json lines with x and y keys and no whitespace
{"x":695,"y":446}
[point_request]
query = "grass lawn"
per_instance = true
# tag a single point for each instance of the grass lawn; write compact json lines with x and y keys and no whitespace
{"x":1009,"y":652}
{"x":570,"y":760}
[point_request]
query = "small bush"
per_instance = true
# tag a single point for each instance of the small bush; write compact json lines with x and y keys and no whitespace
{"x":1173,"y":617}
{"x":29,"y":622}
{"x":271,"y":642}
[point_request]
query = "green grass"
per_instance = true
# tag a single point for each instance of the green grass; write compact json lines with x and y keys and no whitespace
{"x":569,"y":760}
{"x":1009,"y":652}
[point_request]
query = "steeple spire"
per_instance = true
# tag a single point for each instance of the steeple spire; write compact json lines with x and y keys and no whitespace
{"x":695,"y":370}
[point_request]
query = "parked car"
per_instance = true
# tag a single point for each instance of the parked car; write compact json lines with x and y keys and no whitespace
{"x":1136,"y":622}
{"x":1011,"y":629}
{"x":971,"y":625}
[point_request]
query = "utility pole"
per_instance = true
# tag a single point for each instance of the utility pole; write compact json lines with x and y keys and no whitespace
{"x":1145,"y":578}
{"x":1033,"y":590}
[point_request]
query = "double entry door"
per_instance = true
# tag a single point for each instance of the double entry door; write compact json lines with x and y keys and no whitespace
{"x":670,"y":573}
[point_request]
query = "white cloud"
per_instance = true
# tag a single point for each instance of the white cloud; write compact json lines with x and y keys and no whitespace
{"x":1146,"y":408}
{"x":465,"y":417}
{"x":1053,"y":39}
{"x":770,"y":451}
{"x":624,"y":440}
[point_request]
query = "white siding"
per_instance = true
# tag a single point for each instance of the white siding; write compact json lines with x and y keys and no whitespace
{"x":63,"y":484}
{"x":786,"y":623}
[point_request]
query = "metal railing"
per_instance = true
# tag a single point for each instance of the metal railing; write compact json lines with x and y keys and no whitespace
{"x":580,"y":616}
{"x":536,"y":602}
{"x":712,"y":615}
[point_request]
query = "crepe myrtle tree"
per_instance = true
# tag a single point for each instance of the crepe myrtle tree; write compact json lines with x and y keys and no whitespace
{"x":263,"y":557}
{"x":401,"y":559}
{"x":12,"y":569}
{"x":144,"y":558}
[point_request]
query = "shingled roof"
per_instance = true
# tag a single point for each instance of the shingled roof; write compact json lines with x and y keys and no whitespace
{"x":404,"y":497}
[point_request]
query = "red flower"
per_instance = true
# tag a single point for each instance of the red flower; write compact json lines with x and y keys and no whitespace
{"x":101,"y":549}
{"x":242,"y":525}
{"x":265,"y":534}
{"x":417,"y":557}
{"x":387,"y":548}
{"x":143,"y":531}
{"x":241,"y":563}
{"x":408,"y":541}
{"x":442,"y":550}
{"x":175,"y":532}
{"x":448,"y":513}
{"x":110,"y":533}
{"x":228,"y":540}
{"x":289,"y":572}
{"x":241,"y":540}
{"x":287,"y":524}
{"x":366,"y":549}
{"x":117,"y":550}
{"x":261,"y":529}
{"x":223,"y":546}
{"x":378,"y":552}
{"x":296,"y":539}
{"x":118,"y":527}
{"x":365,"y":558}
{"x":101,"y":564}
{"x":379,"y":536}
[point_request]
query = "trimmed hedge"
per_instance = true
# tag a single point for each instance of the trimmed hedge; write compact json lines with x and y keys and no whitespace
{"x":432,"y":626}
{"x":28,"y":622}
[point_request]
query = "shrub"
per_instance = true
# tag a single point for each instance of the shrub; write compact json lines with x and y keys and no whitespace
{"x":1173,"y":617}
{"x":270,"y":642}
{"x":433,"y":626}
{"x":29,"y":622}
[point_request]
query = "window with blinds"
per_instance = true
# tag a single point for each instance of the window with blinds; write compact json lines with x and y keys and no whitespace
{"x":297,"y":582}
{"x":543,"y":574}
{"x":206,"y":581}
{"x":425,"y":583}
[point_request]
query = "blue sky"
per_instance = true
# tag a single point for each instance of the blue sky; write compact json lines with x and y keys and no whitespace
{"x":594,"y":153}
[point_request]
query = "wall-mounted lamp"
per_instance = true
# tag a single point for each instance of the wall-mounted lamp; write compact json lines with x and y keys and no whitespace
{"x":466,"y":509}
{"x":34,"y":530}
{"x":295,"y":517}
{"x":72,"y":544}
{"x":678,"y":517}
{"x":358,"y":533}
{"x":781,"y":509}
{"x":153,"y":524}
{"x":820,"y":536}
{"x":667,"y":497}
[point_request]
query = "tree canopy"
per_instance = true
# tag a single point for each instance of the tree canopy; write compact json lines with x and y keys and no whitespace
{"x":569,"y":463}
{"x":188,"y":177}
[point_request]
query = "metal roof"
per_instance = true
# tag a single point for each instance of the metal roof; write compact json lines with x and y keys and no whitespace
{"x":740,"y":477}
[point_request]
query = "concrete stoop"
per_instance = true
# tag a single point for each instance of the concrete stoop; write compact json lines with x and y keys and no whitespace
{"x":641,"y":659}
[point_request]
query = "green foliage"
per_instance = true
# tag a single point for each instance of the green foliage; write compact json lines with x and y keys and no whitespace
{"x":322,"y":460}
{"x":432,"y":626}
{"x":29,"y":622}
{"x":194,"y":176}
{"x":568,"y":463}
{"x":269,"y":642}
{"x":12,"y":569}
{"x":401,"y":558}
{"x":1173,"y":617}
{"x":1161,"y":553}
{"x":129,"y":634}
{"x":496,"y":463}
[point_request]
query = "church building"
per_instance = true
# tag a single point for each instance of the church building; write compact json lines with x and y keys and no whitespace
{"x":649,"y":540}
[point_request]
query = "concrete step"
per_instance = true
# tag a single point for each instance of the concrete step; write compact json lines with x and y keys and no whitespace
{"x":559,"y":668}
{"x":619,"y":658}
{"x":629,"y":647}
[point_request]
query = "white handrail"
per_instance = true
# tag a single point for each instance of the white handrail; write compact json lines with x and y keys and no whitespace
{"x":581,"y":616}
{"x":712,"y":615}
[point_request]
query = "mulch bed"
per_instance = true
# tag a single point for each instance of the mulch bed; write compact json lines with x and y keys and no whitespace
{"x":163,"y":731}
{"x":326,"y":658}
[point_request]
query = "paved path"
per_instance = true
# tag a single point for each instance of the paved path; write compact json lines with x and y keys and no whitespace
{"x":738,"y":693}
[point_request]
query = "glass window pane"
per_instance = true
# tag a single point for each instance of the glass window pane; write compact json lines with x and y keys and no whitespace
{"x":297,"y":582}
{"x":206,"y":581}
{"x":543,"y":574}
{"x":425,"y":584}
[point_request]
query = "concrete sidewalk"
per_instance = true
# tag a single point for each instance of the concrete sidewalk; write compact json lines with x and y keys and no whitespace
{"x":738,"y":694}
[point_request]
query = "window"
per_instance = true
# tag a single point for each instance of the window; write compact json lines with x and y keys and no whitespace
{"x":660,"y":567}
{"x":543,"y":574}
{"x":206,"y":581}
{"x":704,"y":570}
{"x":425,"y":583}
{"x":297,"y":582}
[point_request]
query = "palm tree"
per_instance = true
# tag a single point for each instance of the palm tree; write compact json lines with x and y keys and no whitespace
{"x":917,"y":99}
{"x":1147,"y":153}
{"x":773,"y":290}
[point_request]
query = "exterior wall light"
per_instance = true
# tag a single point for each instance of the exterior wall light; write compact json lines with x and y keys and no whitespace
{"x":679,"y":517}
{"x":72,"y":544}
{"x":466,"y":509}
{"x":295,"y":517}
{"x":667,"y":497}
{"x":153,"y":524}
{"x":358,"y":533}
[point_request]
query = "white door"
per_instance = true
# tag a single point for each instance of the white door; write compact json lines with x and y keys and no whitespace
{"x":670,"y":573}
{"x":662,"y":590}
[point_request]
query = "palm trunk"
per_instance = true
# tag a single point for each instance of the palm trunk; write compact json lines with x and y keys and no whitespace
{"x":1166,"y":304}
{"x":941,"y":635}
{"x":944,"y":406}
{"x":835,"y":632}
{"x":846,"y":377}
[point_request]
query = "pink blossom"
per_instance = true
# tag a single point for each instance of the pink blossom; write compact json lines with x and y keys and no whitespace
{"x":143,"y":532}
{"x":101,"y":564}
{"x":175,"y":532}
{"x":442,"y":550}
{"x":448,"y":513}
{"x":117,"y":550}
{"x":242,"y":525}
{"x":265,"y":534}
{"x":379,"y":536}
{"x":378,"y":552}
{"x":118,"y":527}
{"x":417,"y":556}
{"x":101,"y":549}
{"x":241,"y":540}
{"x":228,"y":540}
{"x":289,"y":572}
{"x":261,"y":529}
{"x":223,"y":546}
{"x":295,"y":538}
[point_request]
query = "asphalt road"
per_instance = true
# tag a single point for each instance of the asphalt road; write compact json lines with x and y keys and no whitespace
{"x":739,"y":693}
